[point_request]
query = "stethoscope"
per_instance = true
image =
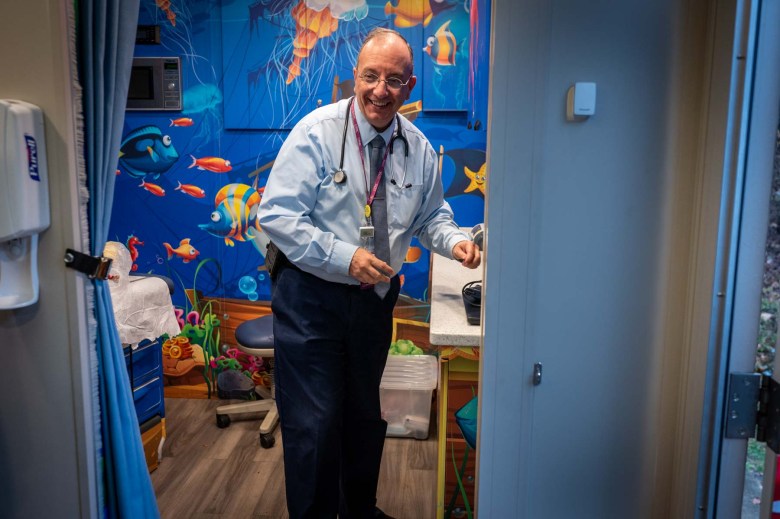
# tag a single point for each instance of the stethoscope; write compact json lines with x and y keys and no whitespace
{"x":339,"y":176}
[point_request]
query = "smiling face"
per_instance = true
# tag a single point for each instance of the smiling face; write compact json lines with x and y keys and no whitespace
{"x":385,"y":56}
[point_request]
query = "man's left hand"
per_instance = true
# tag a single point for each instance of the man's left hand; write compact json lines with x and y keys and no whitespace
{"x":467,"y":253}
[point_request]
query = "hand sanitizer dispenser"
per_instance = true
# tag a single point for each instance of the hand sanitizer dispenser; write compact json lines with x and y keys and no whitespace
{"x":24,"y":201}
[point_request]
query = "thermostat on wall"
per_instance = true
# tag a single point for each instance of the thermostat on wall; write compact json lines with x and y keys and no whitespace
{"x":580,"y":101}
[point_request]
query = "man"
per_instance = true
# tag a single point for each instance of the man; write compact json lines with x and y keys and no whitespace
{"x":345,"y":235}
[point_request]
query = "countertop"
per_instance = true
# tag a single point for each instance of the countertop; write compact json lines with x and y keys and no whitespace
{"x":448,"y":316}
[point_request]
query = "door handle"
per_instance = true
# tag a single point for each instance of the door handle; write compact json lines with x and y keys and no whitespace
{"x":537,"y":373}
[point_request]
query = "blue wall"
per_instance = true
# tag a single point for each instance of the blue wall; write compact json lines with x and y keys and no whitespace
{"x":240,"y":96}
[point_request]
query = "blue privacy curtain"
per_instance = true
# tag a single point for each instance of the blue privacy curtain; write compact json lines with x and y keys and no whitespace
{"x":106,"y":36}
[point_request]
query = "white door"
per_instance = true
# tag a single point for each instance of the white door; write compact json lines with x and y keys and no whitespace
{"x":743,"y":299}
{"x":577,"y":231}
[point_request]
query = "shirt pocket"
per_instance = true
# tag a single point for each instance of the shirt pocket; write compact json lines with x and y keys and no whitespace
{"x":404,"y":204}
{"x":335,"y":199}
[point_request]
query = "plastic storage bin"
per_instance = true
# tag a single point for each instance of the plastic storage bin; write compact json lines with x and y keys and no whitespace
{"x":406,"y":392}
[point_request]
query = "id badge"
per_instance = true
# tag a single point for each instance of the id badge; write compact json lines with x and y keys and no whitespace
{"x":367,"y":237}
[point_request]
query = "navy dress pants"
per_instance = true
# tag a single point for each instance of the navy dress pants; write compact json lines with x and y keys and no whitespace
{"x":331,"y":344}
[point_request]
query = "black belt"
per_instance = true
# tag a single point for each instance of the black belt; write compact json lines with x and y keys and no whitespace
{"x":276,"y":261}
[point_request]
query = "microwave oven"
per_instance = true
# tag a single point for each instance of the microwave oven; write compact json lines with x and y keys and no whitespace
{"x":155,"y":84}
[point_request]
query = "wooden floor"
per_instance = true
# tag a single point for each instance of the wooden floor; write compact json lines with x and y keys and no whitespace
{"x":207,"y":472}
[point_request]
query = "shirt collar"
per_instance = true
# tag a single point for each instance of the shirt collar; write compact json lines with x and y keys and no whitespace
{"x":368,"y":132}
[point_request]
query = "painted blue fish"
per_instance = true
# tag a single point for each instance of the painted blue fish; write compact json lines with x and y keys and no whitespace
{"x":147,"y":152}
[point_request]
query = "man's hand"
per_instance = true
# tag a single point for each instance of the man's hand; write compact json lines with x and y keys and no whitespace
{"x":467,"y":253}
{"x":367,"y":268}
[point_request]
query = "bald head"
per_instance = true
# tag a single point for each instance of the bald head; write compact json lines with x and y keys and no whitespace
{"x":383,"y":33}
{"x":385,"y":54}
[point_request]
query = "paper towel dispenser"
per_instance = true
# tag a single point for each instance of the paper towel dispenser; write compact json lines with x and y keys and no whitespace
{"x":24,"y":201}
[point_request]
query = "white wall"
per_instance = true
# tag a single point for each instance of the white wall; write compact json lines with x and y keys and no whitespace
{"x":45,"y":455}
{"x":601,"y":239}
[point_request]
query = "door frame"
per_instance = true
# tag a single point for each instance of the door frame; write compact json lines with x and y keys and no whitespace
{"x":746,"y":189}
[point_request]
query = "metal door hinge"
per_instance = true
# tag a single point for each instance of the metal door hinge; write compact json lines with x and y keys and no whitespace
{"x":753,"y":409}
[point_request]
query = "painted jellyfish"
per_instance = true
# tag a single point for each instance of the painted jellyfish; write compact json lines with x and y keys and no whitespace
{"x":300,"y":62}
{"x":203,"y":103}
{"x":315,"y":19}
{"x":310,"y":26}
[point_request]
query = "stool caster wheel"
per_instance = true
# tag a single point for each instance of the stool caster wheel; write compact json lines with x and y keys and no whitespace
{"x":223,"y":421}
{"x":267,"y":441}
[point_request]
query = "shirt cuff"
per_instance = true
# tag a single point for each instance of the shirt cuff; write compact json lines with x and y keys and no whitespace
{"x":341,"y":257}
{"x":454,"y":240}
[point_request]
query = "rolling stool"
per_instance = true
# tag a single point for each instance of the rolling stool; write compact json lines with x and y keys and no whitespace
{"x":256,"y":337}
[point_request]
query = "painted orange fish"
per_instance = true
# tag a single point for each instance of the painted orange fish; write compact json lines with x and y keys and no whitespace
{"x":191,"y":190}
{"x":152,"y":188}
{"x":441,"y":47}
{"x":214,"y":164}
{"x":409,"y":13}
{"x":182,"y":121}
{"x":185,"y":251}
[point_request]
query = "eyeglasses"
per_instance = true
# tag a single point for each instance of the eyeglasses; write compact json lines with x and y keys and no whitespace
{"x":393,"y":83}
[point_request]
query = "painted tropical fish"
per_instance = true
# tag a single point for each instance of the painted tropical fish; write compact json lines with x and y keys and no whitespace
{"x":182,"y":121}
{"x":440,"y":6}
{"x":146,"y":151}
{"x":191,"y":190}
{"x":185,"y":251}
{"x":409,"y":13}
{"x":215,"y":164}
{"x":235,"y":214}
{"x":442,"y":46}
{"x":152,"y":188}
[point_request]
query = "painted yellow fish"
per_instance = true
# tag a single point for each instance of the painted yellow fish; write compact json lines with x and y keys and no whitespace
{"x":409,"y":13}
{"x":442,"y":46}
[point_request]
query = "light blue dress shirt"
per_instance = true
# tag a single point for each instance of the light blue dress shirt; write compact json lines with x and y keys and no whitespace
{"x":315,"y":222}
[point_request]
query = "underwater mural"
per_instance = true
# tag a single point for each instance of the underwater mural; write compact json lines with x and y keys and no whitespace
{"x":188,"y":182}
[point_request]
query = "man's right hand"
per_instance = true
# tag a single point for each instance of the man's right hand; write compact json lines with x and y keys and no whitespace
{"x":367,"y":268}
